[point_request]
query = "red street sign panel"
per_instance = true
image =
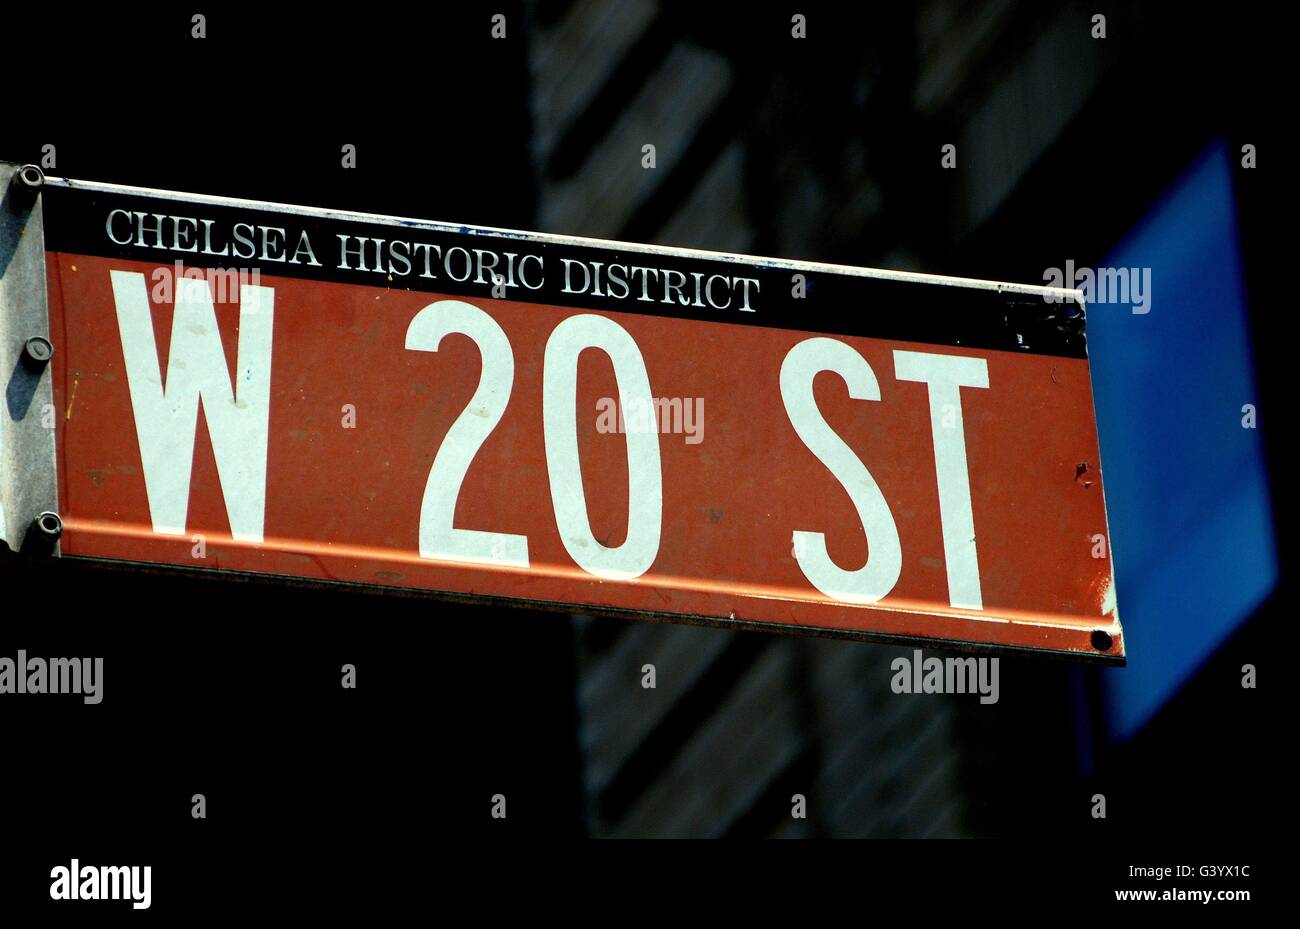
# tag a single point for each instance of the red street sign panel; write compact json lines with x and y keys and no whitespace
{"x":569,"y":423}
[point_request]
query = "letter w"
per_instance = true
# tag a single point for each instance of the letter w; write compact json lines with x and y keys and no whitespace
{"x":166,"y":418}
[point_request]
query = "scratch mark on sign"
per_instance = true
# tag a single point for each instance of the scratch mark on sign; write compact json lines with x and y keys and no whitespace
{"x":72,"y":398}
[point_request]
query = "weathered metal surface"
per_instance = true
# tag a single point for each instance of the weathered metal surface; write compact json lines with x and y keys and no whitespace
{"x":873,"y":454}
{"x":28,"y":486}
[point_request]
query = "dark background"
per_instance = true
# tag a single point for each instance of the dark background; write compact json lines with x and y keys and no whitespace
{"x":231,"y":688}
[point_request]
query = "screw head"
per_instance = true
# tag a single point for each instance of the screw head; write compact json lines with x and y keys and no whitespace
{"x":1101,"y":641}
{"x":49,"y":524}
{"x":38,"y":351}
{"x":30,"y":177}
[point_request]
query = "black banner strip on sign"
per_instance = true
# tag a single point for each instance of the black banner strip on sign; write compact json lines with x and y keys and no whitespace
{"x":303,"y":242}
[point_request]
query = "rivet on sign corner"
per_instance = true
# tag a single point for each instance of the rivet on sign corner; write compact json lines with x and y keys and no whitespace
{"x":37,"y":352}
{"x":30,"y":176}
{"x":1101,"y":641}
{"x":43,"y":534}
{"x":27,"y":181}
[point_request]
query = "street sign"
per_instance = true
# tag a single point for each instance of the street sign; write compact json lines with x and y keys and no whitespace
{"x":551,"y":421}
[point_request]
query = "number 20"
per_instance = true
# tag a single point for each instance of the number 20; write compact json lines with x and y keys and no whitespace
{"x":441,"y":540}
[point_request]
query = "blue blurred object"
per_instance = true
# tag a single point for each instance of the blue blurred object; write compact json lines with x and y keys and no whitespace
{"x":1186,"y":485}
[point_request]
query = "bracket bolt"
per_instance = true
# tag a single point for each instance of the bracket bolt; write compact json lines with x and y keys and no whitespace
{"x":43,"y":534}
{"x":37,"y":352}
